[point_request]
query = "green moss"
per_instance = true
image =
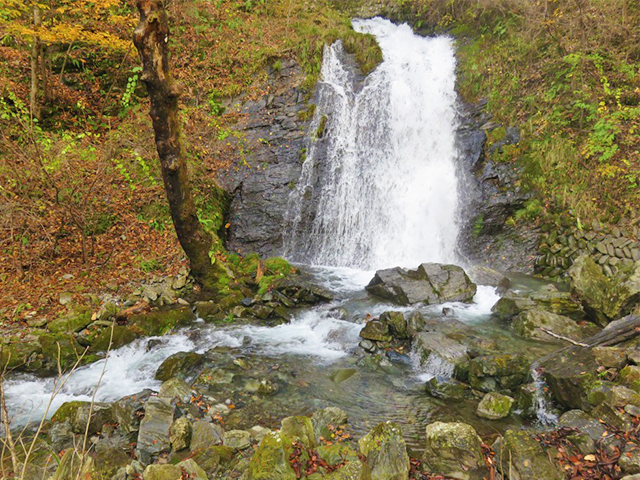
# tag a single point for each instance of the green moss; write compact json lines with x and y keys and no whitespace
{"x":322,"y":126}
{"x":73,"y":321}
{"x":66,"y":411}
{"x":306,"y":114}
{"x":365,"y":48}
{"x":162,"y":321}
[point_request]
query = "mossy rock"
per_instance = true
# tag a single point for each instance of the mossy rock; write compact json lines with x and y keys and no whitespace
{"x":59,"y":347}
{"x":72,"y":322}
{"x":122,"y":335}
{"x":385,"y":452}
{"x":520,"y":456}
{"x":271,"y":461}
{"x":181,"y":364}
{"x":66,"y":411}
{"x":454,"y":449}
{"x":630,"y":376}
{"x":495,"y":406}
{"x":18,"y":354}
{"x":300,"y":429}
{"x":162,"y":321}
{"x":214,"y":458}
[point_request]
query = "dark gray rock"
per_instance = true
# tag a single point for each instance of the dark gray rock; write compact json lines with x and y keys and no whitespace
{"x":153,"y":436}
{"x":128,"y":411}
{"x":429,"y":283}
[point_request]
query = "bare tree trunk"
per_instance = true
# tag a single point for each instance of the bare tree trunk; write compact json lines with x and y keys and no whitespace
{"x":151,"y":38}
{"x":36,"y":50}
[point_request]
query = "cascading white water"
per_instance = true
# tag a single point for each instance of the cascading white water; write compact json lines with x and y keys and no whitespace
{"x":383,"y":182}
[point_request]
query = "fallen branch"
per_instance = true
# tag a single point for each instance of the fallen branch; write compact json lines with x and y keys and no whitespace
{"x":560,"y":337}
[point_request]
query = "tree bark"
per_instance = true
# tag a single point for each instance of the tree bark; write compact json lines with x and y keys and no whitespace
{"x":151,"y":38}
{"x":36,"y":53}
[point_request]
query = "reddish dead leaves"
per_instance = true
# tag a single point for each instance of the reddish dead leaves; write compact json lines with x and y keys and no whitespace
{"x":305,"y":461}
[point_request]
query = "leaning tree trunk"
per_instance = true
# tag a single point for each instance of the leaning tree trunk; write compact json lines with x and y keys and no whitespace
{"x":151,"y":39}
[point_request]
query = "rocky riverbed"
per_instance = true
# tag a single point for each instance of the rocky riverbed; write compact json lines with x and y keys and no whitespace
{"x":423,"y":373}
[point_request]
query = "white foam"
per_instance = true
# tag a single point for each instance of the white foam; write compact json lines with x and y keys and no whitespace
{"x":129,"y":370}
{"x":314,"y":333}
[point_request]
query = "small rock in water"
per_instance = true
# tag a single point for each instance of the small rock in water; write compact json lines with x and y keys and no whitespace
{"x":447,"y":311}
{"x":495,"y":406}
{"x":368,"y":346}
{"x":396,"y":357}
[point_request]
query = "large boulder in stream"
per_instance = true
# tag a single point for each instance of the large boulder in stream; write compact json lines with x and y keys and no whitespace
{"x":520,"y":457}
{"x":454,"y":450}
{"x":385,"y":452}
{"x":604,"y":298}
{"x":537,"y":324}
{"x":548,"y":298}
{"x":571,"y":372}
{"x":429,"y":283}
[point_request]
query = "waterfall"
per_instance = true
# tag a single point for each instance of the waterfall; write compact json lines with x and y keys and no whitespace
{"x":379,"y":189}
{"x":542,"y":409}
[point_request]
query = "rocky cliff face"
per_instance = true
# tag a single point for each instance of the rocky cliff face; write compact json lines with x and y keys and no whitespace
{"x":493,"y":195}
{"x":275,"y":129}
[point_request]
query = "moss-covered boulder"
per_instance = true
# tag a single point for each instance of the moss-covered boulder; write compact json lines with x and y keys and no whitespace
{"x":128,"y":411}
{"x":520,"y":457}
{"x":215,"y":458}
{"x":571,"y":375}
{"x":153,"y":436}
{"x":630,"y":376}
{"x":376,"y":331}
{"x":536,"y":324}
{"x":205,"y":434}
{"x":71,"y":322}
{"x":180,"y":434}
{"x":446,"y":388}
{"x":489,"y":373}
{"x":454,"y":450}
{"x":397,"y":324}
{"x":605,"y":299}
{"x":385,"y":452}
{"x":122,"y":335}
{"x":583,"y":422}
{"x":548,"y":298}
{"x":327,"y":420}
{"x":299,"y":429}
{"x":66,"y":411}
{"x":271,"y":460}
{"x":495,"y":406}
{"x":175,"y":388}
{"x":181,"y":364}
{"x":59,"y":348}
{"x":162,"y":321}
{"x":610,"y":357}
{"x":91,"y":418}
{"x":19,"y":354}
{"x":163,"y":472}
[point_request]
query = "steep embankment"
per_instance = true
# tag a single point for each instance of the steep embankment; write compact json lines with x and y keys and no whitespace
{"x":82,"y":202}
